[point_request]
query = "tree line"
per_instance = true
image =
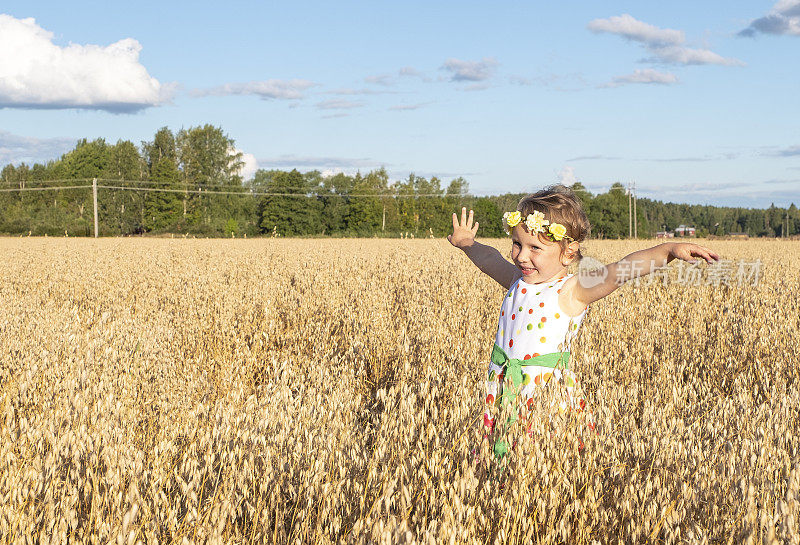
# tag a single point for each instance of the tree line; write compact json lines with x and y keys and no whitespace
{"x":189,"y":182}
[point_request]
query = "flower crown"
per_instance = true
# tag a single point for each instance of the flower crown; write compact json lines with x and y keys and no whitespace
{"x":536,"y":224}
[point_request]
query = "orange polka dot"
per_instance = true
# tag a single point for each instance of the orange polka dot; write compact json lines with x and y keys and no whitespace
{"x":543,"y":339}
{"x":535,"y":354}
{"x":544,"y":319}
{"x":490,"y":399}
{"x":538,"y":380}
{"x":524,"y":290}
{"x":541,"y":304}
{"x":558,"y":291}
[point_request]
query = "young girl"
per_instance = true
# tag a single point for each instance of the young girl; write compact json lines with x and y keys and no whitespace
{"x":544,"y":305}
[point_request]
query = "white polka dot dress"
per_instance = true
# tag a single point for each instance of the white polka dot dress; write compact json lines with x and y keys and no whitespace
{"x":532,"y":324}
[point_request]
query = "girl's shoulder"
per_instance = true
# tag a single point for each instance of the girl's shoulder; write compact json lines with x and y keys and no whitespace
{"x":566,"y":297}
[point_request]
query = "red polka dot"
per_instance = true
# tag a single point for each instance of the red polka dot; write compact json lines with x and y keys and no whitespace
{"x":530,"y":311}
{"x":513,"y":316}
{"x":511,"y":342}
{"x":558,"y":291}
{"x":530,"y":403}
{"x":544,"y":319}
{"x":502,"y":313}
{"x":524,"y":290}
{"x":541,"y":304}
{"x":535,"y":354}
{"x":527,"y":356}
{"x":490,"y":399}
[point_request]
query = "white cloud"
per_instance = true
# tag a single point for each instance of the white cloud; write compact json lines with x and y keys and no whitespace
{"x":519,"y":80}
{"x":792,"y":151}
{"x":336,"y":104}
{"x":301,"y":162}
{"x":350,"y":91}
{"x":249,"y":165}
{"x":567,"y":176}
{"x":647,"y":75}
{"x":628,"y":27}
{"x":783,"y":18}
{"x":411,"y":72}
{"x":25,"y":149}
{"x":406,"y":107}
{"x":470,"y":70}
{"x":381,"y":79}
{"x":36,"y":73}
{"x":268,"y":89}
{"x":674,"y":54}
{"x":665,"y":44}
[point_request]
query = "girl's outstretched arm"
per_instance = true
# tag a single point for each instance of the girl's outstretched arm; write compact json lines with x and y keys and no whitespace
{"x":486,"y":258}
{"x":589,"y":287}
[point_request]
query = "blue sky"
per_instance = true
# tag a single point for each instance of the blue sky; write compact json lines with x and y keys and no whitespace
{"x":695,"y":102}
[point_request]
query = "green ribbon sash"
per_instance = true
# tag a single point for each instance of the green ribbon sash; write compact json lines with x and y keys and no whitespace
{"x":513,"y":369}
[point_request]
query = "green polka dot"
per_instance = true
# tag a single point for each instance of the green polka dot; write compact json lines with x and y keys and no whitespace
{"x":526,"y":379}
{"x":541,"y":325}
{"x":574,"y":326}
{"x":530,"y":326}
{"x":491,"y":375}
{"x":520,"y":309}
{"x":538,"y":292}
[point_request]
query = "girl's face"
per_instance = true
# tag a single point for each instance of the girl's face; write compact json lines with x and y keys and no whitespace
{"x":539,"y":259}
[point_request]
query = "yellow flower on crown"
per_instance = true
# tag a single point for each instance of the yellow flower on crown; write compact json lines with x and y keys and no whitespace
{"x":511,"y":219}
{"x":558,"y":231}
{"x":536,"y":222}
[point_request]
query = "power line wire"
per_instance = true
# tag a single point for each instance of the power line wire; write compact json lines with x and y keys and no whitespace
{"x":47,"y":188}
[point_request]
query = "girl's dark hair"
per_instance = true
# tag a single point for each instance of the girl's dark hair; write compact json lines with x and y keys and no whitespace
{"x":559,"y":204}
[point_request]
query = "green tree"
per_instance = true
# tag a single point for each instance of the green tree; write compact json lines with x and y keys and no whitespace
{"x":609,"y":213}
{"x":164,"y":211}
{"x":365,"y":213}
{"x":292,"y":211}
{"x":209,"y":161}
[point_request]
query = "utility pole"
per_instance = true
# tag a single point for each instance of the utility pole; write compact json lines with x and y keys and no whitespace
{"x":630,"y":212}
{"x":787,"y":223}
{"x":383,"y":225}
{"x":94,"y":198}
{"x":635,"y":230}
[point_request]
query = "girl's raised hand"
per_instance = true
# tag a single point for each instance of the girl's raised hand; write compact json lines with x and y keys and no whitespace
{"x":688,"y":251}
{"x":463,"y":231}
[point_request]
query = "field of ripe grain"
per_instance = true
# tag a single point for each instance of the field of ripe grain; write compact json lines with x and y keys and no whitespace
{"x":326,"y":391}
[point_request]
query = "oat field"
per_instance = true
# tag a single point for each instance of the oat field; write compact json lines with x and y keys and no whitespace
{"x":331,"y":391}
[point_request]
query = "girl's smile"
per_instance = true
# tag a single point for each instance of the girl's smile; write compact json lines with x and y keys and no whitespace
{"x":537,"y":258}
